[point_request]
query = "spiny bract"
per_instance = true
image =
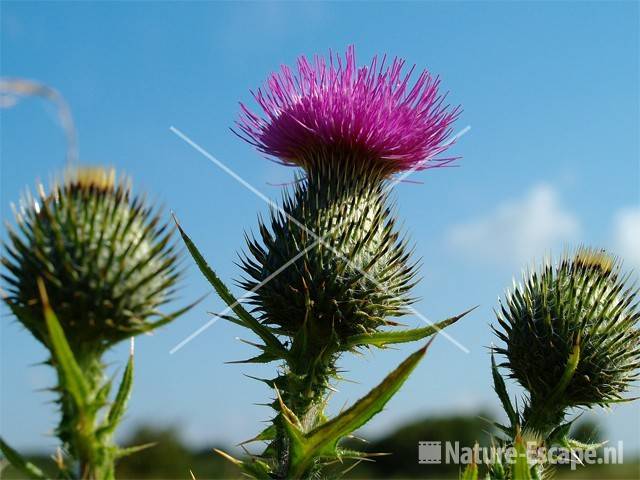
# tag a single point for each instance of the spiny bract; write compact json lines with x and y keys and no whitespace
{"x":570,"y":333}
{"x":331,"y":264}
{"x":106,"y":260}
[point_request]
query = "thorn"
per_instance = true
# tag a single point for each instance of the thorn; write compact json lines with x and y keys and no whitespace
{"x":424,"y":349}
{"x":59,"y":459}
{"x":193,"y":477}
{"x":355,"y":437}
{"x":228,"y":457}
{"x":132,"y":346}
{"x":253,"y":344}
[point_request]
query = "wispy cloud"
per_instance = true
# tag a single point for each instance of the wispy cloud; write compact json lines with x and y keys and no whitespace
{"x":517,"y":230}
{"x":626,"y":231}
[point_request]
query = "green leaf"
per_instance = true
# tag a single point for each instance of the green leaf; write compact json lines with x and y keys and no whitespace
{"x":382,"y":339}
{"x":470,"y":473}
{"x":570,"y":368}
{"x":225,"y":294}
{"x":501,"y":390}
{"x":265,"y":357}
{"x":120,"y":402}
{"x":573,"y":444}
{"x":70,"y":372}
{"x":20,"y":463}
{"x":322,"y":441}
{"x":293,"y":428}
{"x":559,"y":434}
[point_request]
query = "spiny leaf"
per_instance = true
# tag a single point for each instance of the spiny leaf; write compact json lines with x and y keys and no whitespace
{"x":122,"y":397}
{"x":265,"y":357}
{"x":293,"y":427}
{"x":71,"y":374}
{"x":221,"y":289}
{"x":560,"y":433}
{"x":567,"y":375}
{"x":342,"y":453}
{"x":573,"y":444}
{"x":20,"y":463}
{"x":324,"y":438}
{"x":380,"y":339}
{"x":501,"y":390}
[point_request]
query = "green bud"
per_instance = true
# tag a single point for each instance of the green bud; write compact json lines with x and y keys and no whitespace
{"x":570,"y":335}
{"x":350,"y":270}
{"x":106,"y":260}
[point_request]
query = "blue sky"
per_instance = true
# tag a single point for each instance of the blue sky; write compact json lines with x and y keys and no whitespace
{"x":550,"y":91}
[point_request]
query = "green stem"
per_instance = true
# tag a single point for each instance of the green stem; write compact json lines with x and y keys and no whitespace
{"x":303,"y":388}
{"x":77,"y":427}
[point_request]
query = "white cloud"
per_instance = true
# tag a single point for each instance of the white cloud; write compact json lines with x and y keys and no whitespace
{"x":518,"y":230}
{"x":626,"y":231}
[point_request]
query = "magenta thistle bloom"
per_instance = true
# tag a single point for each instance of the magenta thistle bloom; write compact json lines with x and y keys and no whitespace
{"x":370,"y":113}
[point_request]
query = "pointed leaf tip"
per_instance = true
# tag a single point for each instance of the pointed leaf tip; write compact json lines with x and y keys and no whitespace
{"x":70,"y":372}
{"x":322,"y":440}
{"x":245,"y":318}
{"x":382,"y":339}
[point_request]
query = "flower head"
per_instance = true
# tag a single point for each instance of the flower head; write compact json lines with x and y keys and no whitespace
{"x":106,"y":260}
{"x":370,"y":114}
{"x":571,"y":335}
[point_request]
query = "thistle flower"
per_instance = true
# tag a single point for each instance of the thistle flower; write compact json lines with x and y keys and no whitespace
{"x":371,"y":114}
{"x":330,"y":270}
{"x":349,"y":128}
{"x":570,"y":335}
{"x":106,"y":260}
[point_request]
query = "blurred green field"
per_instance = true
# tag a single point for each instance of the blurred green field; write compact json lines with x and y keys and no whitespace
{"x":171,"y":458}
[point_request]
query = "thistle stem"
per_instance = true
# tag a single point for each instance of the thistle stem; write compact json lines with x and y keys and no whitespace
{"x":303,"y":386}
{"x":77,"y":429}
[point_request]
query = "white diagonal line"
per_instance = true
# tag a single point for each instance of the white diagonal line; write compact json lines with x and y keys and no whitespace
{"x":195,"y":334}
{"x":303,"y":227}
{"x":225,"y":168}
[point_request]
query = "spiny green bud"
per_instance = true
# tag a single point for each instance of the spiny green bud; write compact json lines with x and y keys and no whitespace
{"x":106,"y":260}
{"x":570,"y":334}
{"x":332,"y":265}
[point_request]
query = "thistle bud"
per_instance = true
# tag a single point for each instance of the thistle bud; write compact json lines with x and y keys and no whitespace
{"x":570,"y":335}
{"x":106,"y":260}
{"x":332,"y":264}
